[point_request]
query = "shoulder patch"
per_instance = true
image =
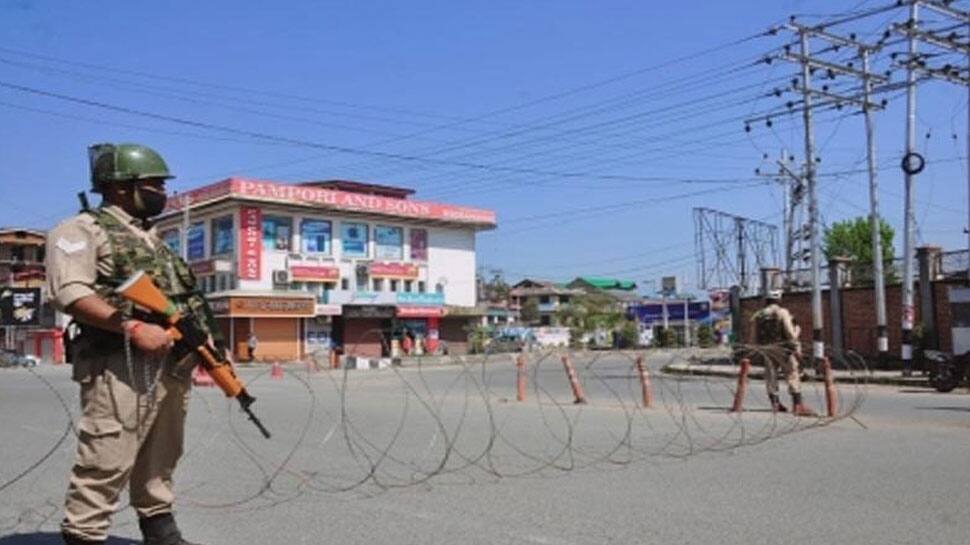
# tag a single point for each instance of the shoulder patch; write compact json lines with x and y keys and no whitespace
{"x":70,"y":247}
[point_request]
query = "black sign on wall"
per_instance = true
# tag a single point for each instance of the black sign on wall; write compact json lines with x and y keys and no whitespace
{"x":19,"y":306}
{"x":368,"y":311}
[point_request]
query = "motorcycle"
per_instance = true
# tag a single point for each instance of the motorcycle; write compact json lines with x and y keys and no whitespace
{"x":947,"y":371}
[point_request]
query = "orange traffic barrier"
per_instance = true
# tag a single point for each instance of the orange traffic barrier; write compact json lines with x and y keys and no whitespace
{"x":742,"y":388}
{"x":520,"y":378}
{"x":831,"y":400}
{"x":578,"y":394}
{"x":277,"y":371}
{"x":201,"y":378}
{"x":645,"y":387}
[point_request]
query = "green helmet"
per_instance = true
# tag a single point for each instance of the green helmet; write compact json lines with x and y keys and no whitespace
{"x":113,"y":163}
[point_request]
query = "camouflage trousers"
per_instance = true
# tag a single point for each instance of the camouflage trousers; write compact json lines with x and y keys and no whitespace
{"x":786,"y":361}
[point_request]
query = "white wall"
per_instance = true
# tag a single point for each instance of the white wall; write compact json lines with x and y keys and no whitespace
{"x":451,"y":256}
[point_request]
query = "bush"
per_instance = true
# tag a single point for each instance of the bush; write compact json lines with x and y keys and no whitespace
{"x":629,"y":335}
{"x":705,"y":336}
{"x":664,"y":338}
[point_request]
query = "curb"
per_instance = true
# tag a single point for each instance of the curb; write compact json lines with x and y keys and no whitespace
{"x":680,"y":369}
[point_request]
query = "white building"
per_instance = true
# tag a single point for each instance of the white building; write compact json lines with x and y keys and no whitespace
{"x":306,"y":265}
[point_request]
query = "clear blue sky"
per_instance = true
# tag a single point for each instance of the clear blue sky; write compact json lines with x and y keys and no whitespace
{"x":552,"y":113}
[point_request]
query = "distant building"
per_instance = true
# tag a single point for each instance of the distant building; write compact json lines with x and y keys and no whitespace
{"x":22,"y":270}
{"x":547,"y":296}
{"x":623,"y":292}
{"x":311,"y":265}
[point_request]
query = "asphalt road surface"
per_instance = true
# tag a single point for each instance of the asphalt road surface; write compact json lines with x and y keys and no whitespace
{"x":445,"y":454}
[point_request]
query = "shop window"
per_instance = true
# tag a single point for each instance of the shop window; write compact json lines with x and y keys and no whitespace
{"x":222,"y":236}
{"x":173,"y":239}
{"x":353,"y":239}
{"x":421,"y":286}
{"x":195,"y":242}
{"x":316,"y":236}
{"x":394,"y":285}
{"x":345,"y":284}
{"x":408,"y":285}
{"x":277,"y":231}
{"x":223,"y":282}
{"x":419,"y":244}
{"x":389,"y":242}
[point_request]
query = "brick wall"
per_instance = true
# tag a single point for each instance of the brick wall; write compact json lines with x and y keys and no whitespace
{"x":859,"y":316}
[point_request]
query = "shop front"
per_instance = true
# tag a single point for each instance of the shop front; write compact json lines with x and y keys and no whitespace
{"x":279,"y":323}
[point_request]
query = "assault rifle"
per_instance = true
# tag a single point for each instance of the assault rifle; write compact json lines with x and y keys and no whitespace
{"x":184,"y":330}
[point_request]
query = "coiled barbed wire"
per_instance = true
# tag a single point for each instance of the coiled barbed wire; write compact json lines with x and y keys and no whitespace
{"x":454,"y":419}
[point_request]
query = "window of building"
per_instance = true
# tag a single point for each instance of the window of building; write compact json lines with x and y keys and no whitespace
{"x":545,"y":319}
{"x":378,"y":284}
{"x":439,"y":288}
{"x":353,"y":239}
{"x":277,"y":231}
{"x":544,"y":299}
{"x":389,"y":242}
{"x":421,"y":286}
{"x":195,"y":241}
{"x":563,"y":298}
{"x":394,"y":285}
{"x":316,"y":236}
{"x":419,"y":244}
{"x":222,"y":236}
{"x":408,"y":285}
{"x":345,"y":284}
{"x":173,"y":239}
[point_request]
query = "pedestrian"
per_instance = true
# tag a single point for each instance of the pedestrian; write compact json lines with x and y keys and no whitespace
{"x":776,"y":335}
{"x":406,"y":343}
{"x":251,"y":343}
{"x":134,"y":386}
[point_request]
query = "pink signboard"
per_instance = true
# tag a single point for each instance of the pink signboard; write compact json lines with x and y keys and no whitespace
{"x":250,"y":242}
{"x":332,"y":199}
{"x":314,"y":273}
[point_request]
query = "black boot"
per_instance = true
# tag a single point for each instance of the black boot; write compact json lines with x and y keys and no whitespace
{"x":161,"y":530}
{"x":776,"y":405}
{"x":74,"y":540}
{"x":798,"y":407}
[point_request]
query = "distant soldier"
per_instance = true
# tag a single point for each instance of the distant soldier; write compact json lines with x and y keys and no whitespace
{"x":776,"y":335}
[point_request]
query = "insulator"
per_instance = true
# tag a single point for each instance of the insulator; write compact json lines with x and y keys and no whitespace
{"x":928,"y":134}
{"x":818,"y":159}
{"x":831,"y":73}
{"x":794,"y":82}
{"x":954,"y":136}
{"x":884,"y":103}
{"x":777,"y":92}
{"x":825,"y":88}
{"x":849,"y":65}
{"x":889,"y":74}
{"x":747,"y":128}
{"x":946,"y":67}
{"x":887,"y":34}
{"x":835,"y":48}
{"x":852,"y":36}
{"x":838,"y":106}
{"x":787,"y":49}
{"x":768,"y":122}
{"x":764,"y":155}
{"x":791,"y":158}
{"x":767,"y":60}
{"x":892,"y":56}
{"x":811,"y":71}
{"x":757,"y":172}
{"x":790,"y":104}
{"x":952,"y":37}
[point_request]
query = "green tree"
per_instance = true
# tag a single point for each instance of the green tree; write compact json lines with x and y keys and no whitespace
{"x":589,"y":312}
{"x":853,"y":239}
{"x":629,"y":334}
{"x":529,"y":313}
{"x":705,"y":336}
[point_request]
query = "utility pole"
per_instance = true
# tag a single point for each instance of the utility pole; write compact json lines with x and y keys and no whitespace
{"x":875,"y":220}
{"x":818,"y":345}
{"x":910,"y":170}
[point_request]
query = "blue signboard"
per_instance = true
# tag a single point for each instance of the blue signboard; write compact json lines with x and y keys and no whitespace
{"x":653,"y":312}
{"x":195,"y":243}
{"x":406,"y":298}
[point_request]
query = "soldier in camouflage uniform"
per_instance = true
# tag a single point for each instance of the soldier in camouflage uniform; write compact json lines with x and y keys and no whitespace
{"x":776,"y":335}
{"x":134,"y":386}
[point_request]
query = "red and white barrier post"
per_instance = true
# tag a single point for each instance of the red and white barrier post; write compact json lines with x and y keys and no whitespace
{"x":520,"y":380}
{"x":831,"y":398}
{"x":645,"y":388}
{"x":578,"y":394}
{"x":742,"y":388}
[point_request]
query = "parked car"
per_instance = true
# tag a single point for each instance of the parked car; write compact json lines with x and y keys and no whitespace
{"x":12,"y":358}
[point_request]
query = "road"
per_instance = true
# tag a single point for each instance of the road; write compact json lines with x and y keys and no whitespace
{"x":445,"y":454}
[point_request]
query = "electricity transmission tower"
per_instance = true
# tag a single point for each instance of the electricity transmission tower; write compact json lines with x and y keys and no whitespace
{"x":731,"y":250}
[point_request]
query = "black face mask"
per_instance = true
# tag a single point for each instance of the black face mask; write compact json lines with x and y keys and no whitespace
{"x":148,"y":203}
